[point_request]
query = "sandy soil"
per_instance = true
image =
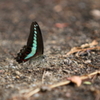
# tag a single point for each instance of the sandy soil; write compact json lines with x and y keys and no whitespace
{"x":64,"y":24}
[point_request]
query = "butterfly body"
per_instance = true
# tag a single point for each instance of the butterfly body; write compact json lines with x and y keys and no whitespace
{"x":34,"y":45}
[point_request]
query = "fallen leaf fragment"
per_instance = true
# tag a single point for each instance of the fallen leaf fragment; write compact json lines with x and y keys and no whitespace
{"x":75,"y":79}
{"x":61,"y":25}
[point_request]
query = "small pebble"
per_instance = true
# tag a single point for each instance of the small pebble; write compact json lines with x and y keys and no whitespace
{"x":87,"y":61}
{"x":95,"y":13}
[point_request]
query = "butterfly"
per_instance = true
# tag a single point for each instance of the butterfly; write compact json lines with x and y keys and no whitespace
{"x":34,"y":45}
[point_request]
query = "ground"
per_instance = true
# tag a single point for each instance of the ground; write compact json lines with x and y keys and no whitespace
{"x":64,"y":24}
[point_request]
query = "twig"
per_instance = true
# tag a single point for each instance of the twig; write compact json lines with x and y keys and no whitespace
{"x":59,"y":84}
{"x":78,"y":49}
{"x":29,"y":94}
{"x":89,"y":75}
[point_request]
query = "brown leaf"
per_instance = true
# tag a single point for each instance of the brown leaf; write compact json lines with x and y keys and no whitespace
{"x":75,"y":79}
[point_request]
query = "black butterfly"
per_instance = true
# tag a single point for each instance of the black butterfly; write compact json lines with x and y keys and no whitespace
{"x":34,"y":45}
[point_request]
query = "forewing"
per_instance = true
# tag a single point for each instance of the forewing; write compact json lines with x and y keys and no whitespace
{"x":35,"y":41}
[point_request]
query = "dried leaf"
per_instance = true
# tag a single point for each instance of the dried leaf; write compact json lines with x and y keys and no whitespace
{"x":75,"y":79}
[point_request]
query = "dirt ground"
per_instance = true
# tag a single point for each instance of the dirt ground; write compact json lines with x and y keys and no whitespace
{"x":64,"y":24}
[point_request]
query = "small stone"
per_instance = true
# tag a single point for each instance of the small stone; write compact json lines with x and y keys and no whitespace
{"x":36,"y":95}
{"x":87,"y":61}
{"x":17,"y":72}
{"x":68,"y":94}
{"x":95,"y":13}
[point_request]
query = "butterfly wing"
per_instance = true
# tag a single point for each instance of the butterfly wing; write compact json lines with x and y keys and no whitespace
{"x":35,"y":41}
{"x":34,"y":45}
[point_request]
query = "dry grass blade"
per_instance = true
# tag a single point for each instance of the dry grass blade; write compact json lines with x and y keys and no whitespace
{"x":59,"y":84}
{"x":29,"y":94}
{"x":84,"y":47}
{"x":93,"y":43}
{"x":77,"y":49}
